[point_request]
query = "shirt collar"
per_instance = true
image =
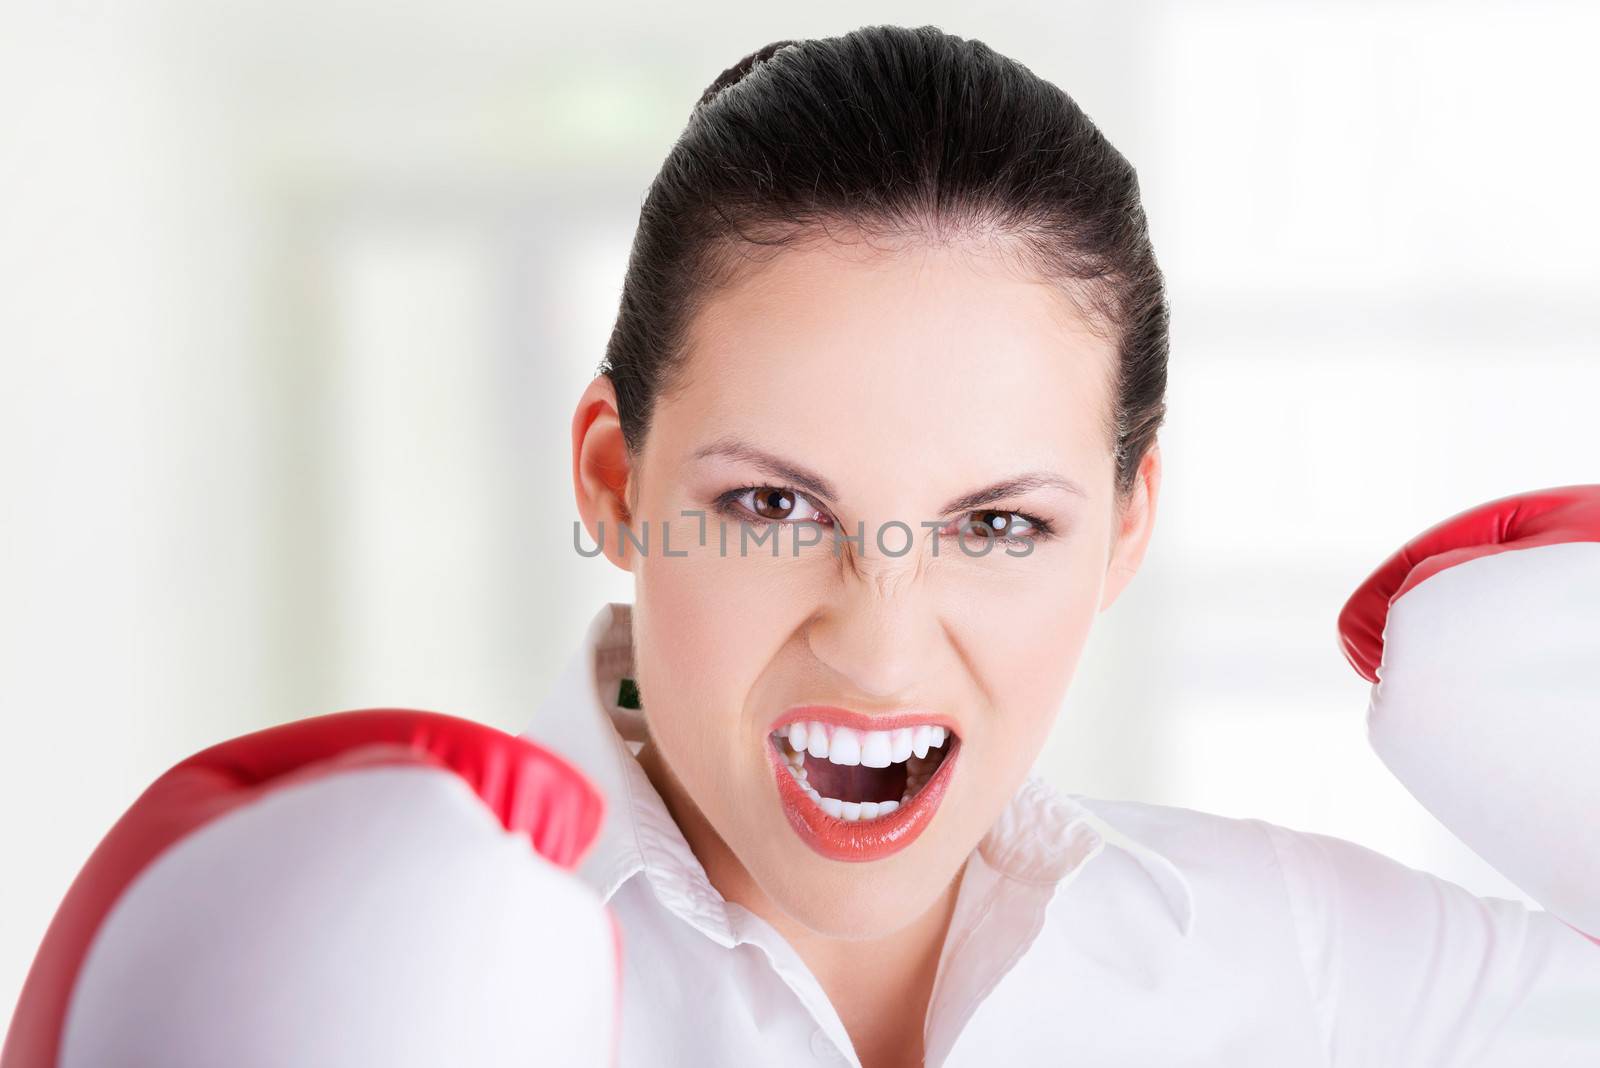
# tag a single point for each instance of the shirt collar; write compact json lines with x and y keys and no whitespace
{"x":1042,"y":837}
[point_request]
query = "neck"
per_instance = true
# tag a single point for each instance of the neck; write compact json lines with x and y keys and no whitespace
{"x":880,"y":986}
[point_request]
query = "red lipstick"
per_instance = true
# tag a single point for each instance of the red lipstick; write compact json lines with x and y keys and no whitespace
{"x":867,"y":839}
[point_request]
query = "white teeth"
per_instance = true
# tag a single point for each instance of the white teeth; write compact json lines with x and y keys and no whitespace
{"x":858,"y":810}
{"x":876,"y":749}
{"x":847,"y":810}
{"x":873,"y":749}
{"x":900,"y":745}
{"x":844,"y":747}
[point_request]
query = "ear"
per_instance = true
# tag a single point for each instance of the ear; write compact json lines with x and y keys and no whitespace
{"x":601,"y":468}
{"x":1133,"y":526}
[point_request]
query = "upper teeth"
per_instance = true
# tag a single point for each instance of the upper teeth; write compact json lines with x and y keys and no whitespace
{"x":874,"y":749}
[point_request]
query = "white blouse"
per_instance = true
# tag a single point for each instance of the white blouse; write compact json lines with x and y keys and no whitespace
{"x":1087,"y":932}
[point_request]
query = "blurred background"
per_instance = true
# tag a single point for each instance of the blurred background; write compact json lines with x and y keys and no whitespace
{"x":295,"y":300}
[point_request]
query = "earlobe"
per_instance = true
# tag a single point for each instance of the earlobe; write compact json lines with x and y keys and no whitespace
{"x":1134,"y":527}
{"x":601,"y":467}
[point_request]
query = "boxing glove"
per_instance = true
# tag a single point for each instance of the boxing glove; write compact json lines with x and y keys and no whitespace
{"x":377,"y":887}
{"x":1481,"y":637}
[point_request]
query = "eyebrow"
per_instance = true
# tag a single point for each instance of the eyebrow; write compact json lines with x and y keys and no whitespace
{"x":803,"y":479}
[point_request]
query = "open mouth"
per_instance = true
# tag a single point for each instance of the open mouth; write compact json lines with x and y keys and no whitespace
{"x":853,"y":793}
{"x":861,"y":775}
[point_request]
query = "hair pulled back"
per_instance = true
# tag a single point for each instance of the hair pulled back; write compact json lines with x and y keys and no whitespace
{"x":905,"y":133}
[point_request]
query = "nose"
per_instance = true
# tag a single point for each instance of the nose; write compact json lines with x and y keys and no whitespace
{"x":879,"y":630}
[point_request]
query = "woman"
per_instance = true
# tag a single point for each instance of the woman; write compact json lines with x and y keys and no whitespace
{"x":876,"y":436}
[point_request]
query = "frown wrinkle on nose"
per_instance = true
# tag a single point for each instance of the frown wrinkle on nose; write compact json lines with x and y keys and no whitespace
{"x":883,"y":575}
{"x":871,"y":632}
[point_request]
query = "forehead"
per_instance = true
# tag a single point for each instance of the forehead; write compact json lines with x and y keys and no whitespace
{"x":849,"y":354}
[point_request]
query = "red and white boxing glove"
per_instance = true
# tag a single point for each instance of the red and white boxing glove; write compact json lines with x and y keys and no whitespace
{"x":380,"y":887}
{"x":1482,"y":637}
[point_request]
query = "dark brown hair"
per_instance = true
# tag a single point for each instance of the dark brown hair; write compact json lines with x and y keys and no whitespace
{"x":904,"y":132}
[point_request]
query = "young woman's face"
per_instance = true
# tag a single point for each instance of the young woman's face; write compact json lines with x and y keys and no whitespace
{"x":877,"y":394}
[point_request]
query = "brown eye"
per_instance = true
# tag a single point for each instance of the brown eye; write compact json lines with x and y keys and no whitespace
{"x":993,"y":523}
{"x":772,"y":503}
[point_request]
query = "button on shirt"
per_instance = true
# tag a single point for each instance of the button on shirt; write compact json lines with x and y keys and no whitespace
{"x":1086,"y":932}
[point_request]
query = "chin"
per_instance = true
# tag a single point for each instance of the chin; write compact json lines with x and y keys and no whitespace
{"x":862,"y":833}
{"x":859,"y":902}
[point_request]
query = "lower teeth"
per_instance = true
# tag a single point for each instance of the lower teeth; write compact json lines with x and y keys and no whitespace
{"x":854,"y":810}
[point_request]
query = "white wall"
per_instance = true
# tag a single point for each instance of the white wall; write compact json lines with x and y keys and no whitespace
{"x":294,"y":305}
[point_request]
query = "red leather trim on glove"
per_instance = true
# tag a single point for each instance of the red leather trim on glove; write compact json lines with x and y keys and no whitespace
{"x":530,"y":789}
{"x":1521,"y":521}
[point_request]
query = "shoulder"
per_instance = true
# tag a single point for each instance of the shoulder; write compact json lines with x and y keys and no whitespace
{"x":1240,"y":866}
{"x":1238,"y":851}
{"x":1243,"y":872}
{"x":1395,"y":964}
{"x":1254,"y":859}
{"x":1255,"y":914}
{"x":1179,"y":900}
{"x":1204,"y":846}
{"x":1229,"y":871}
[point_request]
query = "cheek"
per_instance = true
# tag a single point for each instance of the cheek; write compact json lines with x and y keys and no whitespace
{"x":704,"y":633}
{"x":1037,"y":664}
{"x":719,"y":620}
{"x":1029,"y":651}
{"x":722,"y":615}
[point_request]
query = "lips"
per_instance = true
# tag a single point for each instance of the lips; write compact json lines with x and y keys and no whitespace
{"x":918,"y":753}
